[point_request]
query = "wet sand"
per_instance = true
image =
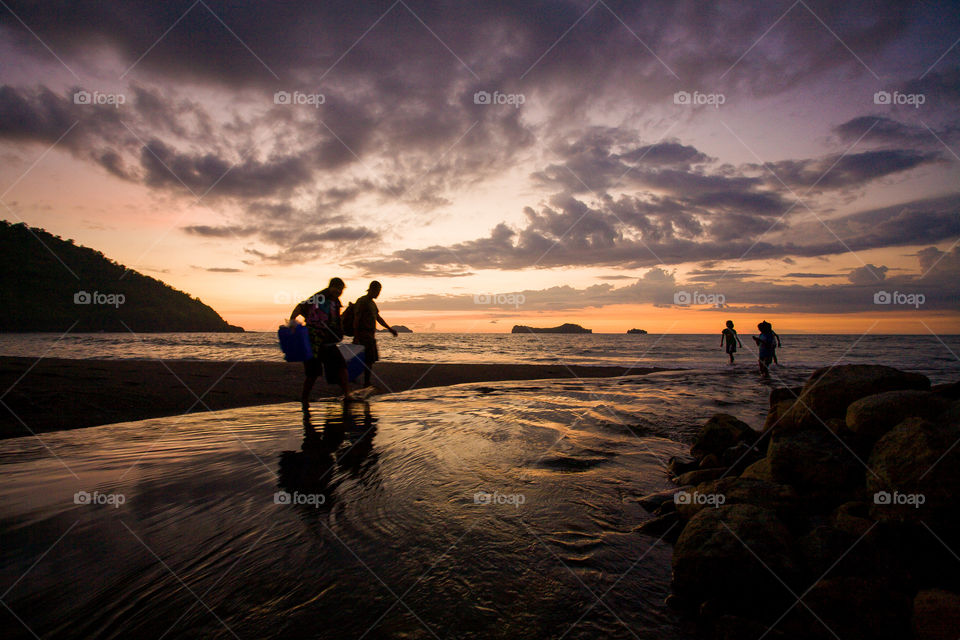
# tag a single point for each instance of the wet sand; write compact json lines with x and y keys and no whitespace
{"x":55,"y":394}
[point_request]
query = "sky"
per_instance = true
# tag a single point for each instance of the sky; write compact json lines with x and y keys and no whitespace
{"x":664,"y":166}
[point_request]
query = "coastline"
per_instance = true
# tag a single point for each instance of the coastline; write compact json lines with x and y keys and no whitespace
{"x":57,"y":394}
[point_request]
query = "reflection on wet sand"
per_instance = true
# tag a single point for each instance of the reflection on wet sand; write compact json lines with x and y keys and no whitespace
{"x":344,"y":443}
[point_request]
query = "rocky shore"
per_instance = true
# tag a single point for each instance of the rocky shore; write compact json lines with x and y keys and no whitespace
{"x":838,"y":520}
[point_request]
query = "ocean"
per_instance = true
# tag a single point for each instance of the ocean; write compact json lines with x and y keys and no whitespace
{"x":485,"y":510}
{"x":934,"y":356}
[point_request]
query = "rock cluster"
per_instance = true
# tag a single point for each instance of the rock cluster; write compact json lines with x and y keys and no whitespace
{"x":839,"y":519}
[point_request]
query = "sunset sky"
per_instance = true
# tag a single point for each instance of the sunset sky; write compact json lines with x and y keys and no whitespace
{"x":614,"y":164}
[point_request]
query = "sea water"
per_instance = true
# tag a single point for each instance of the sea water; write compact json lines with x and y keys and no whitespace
{"x":933,"y":355}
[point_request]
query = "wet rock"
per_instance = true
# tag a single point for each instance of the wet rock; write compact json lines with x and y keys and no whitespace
{"x":873,"y":416}
{"x":813,"y":461}
{"x":678,"y":466}
{"x":651,"y":502}
{"x":701,"y":475}
{"x":710,"y":461}
{"x":728,"y":553}
{"x":721,"y":432}
{"x":936,"y":615}
{"x":830,"y":390}
{"x":916,"y":473}
{"x":726,"y":491}
{"x":853,"y":608}
{"x":660,"y":525}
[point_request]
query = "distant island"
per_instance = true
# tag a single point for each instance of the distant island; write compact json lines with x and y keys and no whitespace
{"x":637,"y":331}
{"x":399,"y":328}
{"x":564,"y":328}
{"x":87,"y":292}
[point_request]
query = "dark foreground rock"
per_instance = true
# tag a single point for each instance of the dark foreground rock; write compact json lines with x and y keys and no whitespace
{"x":735,"y":554}
{"x":849,"y":499}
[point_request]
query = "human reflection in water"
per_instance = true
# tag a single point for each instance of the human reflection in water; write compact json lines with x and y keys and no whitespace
{"x":344,"y":443}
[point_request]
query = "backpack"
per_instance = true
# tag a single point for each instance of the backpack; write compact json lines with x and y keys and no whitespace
{"x":347,"y":319}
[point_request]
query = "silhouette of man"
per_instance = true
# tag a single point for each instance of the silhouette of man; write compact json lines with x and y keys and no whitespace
{"x":365,"y":319}
{"x":321,"y":313}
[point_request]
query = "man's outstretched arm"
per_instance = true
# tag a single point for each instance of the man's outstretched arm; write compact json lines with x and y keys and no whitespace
{"x":385,"y":325}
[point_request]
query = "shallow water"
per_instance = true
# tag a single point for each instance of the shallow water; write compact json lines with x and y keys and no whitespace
{"x":483,"y":510}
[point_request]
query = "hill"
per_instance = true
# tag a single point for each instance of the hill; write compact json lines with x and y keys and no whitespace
{"x":37,"y":293}
{"x":564,"y":328}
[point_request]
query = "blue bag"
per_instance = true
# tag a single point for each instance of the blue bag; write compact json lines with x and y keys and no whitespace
{"x":295,"y":343}
{"x":353,"y":355}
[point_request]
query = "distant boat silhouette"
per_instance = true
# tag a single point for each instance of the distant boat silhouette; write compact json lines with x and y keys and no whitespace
{"x":637,"y":331}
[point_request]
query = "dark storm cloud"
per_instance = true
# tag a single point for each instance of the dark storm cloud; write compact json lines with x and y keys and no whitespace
{"x":742,"y":295}
{"x":848,"y":170}
{"x":569,"y":232}
{"x":399,"y":122}
{"x":201,"y":173}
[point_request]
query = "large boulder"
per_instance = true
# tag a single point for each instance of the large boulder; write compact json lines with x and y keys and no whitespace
{"x":715,"y":493}
{"x":721,"y":432}
{"x":701,"y":475}
{"x":936,"y":615}
{"x":875,"y":415}
{"x":728,"y":554}
{"x":830,"y":390}
{"x":813,"y":461}
{"x":759,"y":470}
{"x":915,"y":473}
{"x":852,"y":608}
{"x":782,"y":400}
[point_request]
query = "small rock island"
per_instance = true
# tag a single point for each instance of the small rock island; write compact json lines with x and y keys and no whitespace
{"x":399,"y":328}
{"x":564,"y":328}
{"x":640,"y":332}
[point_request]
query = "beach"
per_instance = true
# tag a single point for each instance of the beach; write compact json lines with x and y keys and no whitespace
{"x":53,"y":394}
